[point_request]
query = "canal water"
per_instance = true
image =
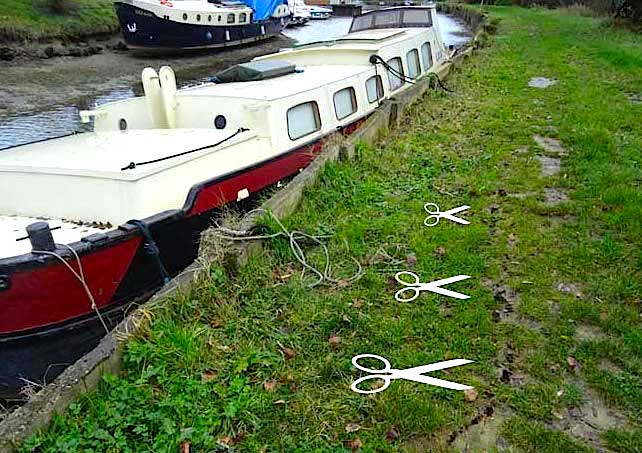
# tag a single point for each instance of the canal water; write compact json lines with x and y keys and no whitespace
{"x":28,"y":126}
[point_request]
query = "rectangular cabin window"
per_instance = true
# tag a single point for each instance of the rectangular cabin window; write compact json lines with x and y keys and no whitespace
{"x":395,"y":74}
{"x":242,"y":18}
{"x":374,"y":88}
{"x":303,"y":120}
{"x":345,"y":103}
{"x":426,"y":55}
{"x":230,"y":18}
{"x":412,"y":59}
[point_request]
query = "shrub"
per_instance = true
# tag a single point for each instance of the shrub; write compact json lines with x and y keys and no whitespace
{"x":62,"y":6}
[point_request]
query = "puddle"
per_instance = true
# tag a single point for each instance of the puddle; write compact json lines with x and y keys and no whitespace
{"x":541,"y":82}
{"x":550,"y":165}
{"x":550,"y":145}
{"x":554,"y":197}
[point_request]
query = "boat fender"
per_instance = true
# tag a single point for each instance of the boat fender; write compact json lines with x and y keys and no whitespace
{"x":153,"y":96}
{"x":168,"y":92}
{"x":40,"y":236}
{"x":151,"y":248}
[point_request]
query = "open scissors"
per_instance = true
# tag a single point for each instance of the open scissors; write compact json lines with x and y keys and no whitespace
{"x":436,"y":214}
{"x":416,"y":374}
{"x":416,"y":287}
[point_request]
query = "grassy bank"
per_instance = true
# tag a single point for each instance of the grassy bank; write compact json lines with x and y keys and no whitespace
{"x":34,"y":19}
{"x":254,"y":360}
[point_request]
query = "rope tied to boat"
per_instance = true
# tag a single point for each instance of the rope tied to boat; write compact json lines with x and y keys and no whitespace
{"x":294,"y":237}
{"x":376,"y":59}
{"x":133,"y":165}
{"x":80,"y":276}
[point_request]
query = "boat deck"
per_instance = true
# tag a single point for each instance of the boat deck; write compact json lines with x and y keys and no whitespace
{"x":13,"y":231}
{"x":104,"y":154}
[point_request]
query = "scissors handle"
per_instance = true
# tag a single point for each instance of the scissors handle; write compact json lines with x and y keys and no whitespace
{"x":386,"y":383}
{"x":432,"y":209}
{"x":432,"y":220}
{"x":399,"y":295}
{"x":386,"y":364}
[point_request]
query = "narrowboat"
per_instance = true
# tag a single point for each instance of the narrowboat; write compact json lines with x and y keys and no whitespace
{"x":92,"y":224}
{"x":198,"y":24}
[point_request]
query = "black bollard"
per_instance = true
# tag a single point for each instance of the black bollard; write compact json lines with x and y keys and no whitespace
{"x":40,"y":237}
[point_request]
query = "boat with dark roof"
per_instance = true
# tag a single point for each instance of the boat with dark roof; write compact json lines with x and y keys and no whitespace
{"x":94,"y":223}
{"x":199,"y":24}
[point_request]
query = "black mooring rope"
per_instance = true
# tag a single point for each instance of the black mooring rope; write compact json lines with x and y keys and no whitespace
{"x":376,"y":59}
{"x":133,"y":165}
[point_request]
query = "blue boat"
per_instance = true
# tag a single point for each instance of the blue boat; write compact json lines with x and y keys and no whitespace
{"x":199,"y":24}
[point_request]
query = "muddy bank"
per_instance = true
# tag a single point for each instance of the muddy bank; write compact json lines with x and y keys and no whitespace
{"x":36,"y":85}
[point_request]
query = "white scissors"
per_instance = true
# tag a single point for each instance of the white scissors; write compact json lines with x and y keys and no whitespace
{"x":436,"y":214}
{"x":387,"y":374}
{"x":416,"y":287}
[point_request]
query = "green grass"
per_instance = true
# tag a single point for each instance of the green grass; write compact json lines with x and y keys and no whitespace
{"x":32,"y":19}
{"x":212,"y":369}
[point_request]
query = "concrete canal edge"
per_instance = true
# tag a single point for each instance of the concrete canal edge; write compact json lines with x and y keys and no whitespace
{"x":84,"y":375}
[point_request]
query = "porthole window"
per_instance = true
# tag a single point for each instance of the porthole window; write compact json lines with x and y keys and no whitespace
{"x":303,"y":120}
{"x":122,"y":124}
{"x":412,"y":60}
{"x":231,"y":18}
{"x":345,"y":103}
{"x":220,"y":18}
{"x":198,"y":17}
{"x":426,"y":56}
{"x":395,"y":74}
{"x":220,"y":122}
{"x":184,"y":16}
{"x":374,"y":88}
{"x":209,"y":18}
{"x":242,"y":18}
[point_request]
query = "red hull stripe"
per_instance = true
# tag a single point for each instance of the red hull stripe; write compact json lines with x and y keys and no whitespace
{"x":51,"y":294}
{"x":225,"y":190}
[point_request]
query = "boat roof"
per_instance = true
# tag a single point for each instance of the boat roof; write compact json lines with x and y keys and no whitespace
{"x":200,"y":6}
{"x":104,"y":154}
{"x":309,"y":78}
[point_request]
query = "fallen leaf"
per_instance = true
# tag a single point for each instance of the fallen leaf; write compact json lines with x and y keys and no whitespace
{"x":185,"y":447}
{"x":334,"y":340}
{"x":293,"y":387}
{"x":279,"y":402}
{"x":216,"y":323}
{"x":352,"y":427}
{"x":392,"y":434}
{"x":357,"y":303}
{"x":208,"y":376}
{"x":572,"y":363}
{"x":470,"y":395}
{"x":289,"y":353}
{"x":440,"y":252}
{"x":269,"y":386}
{"x":512,"y":240}
{"x":411,"y":259}
{"x":353,"y":444}
{"x":224,"y":441}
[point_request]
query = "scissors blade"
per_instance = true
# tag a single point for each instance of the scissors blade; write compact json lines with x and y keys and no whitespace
{"x":439,"y":366}
{"x":456,"y":210}
{"x":454,"y":219}
{"x":440,"y":383}
{"x":448,"y":293}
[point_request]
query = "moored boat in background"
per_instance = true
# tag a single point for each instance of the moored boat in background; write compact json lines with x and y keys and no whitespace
{"x":92,"y":224}
{"x":199,"y":24}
